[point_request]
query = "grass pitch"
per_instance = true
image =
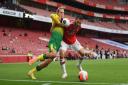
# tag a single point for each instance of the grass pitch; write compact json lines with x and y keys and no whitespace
{"x":101,"y":72}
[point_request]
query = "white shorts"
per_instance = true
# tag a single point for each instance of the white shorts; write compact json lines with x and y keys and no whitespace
{"x":75,"y":46}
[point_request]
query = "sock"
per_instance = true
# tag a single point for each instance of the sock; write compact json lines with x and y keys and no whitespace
{"x":38,"y":68}
{"x":63,"y":66}
{"x":34,"y":70}
{"x":41,"y":57}
{"x":79,"y":64}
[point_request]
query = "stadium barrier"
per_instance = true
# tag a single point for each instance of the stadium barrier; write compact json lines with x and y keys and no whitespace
{"x":12,"y":13}
{"x":13,"y":58}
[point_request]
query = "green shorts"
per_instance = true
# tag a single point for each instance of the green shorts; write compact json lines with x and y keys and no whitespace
{"x":55,"y":41}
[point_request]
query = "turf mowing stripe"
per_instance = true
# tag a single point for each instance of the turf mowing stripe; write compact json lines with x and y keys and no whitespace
{"x":61,"y":82}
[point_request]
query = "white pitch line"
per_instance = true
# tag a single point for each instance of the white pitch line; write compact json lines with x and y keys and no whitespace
{"x":60,"y":82}
{"x":46,"y":84}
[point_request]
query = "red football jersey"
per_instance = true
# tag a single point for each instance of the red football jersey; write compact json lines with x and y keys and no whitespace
{"x":70,"y":33}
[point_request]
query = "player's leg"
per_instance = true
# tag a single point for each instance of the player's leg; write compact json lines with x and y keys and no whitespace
{"x":37,"y":68}
{"x":45,"y":63}
{"x":63,"y":50}
{"x":79,"y":66}
{"x":54,"y":45}
{"x":35,"y":59}
{"x":83,"y":52}
{"x":62,"y":63}
{"x":80,"y":53}
{"x":43,"y":57}
{"x":42,"y":65}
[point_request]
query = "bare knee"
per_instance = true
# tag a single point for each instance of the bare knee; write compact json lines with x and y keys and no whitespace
{"x":48,"y":62}
{"x":62,"y":54}
{"x":44,"y":64}
{"x":51,"y":54}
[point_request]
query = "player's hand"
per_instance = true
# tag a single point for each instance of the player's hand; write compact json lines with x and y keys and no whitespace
{"x":92,"y":54}
{"x":55,"y":59}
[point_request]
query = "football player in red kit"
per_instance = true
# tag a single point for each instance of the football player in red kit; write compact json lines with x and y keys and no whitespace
{"x":70,"y":41}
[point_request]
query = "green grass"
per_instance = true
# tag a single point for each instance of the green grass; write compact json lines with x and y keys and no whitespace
{"x":110,"y":72}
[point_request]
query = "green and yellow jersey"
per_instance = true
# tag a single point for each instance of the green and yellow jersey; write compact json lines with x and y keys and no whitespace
{"x":56,"y":20}
{"x":57,"y":33}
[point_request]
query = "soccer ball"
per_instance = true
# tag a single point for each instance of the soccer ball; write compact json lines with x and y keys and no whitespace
{"x":83,"y":75}
{"x":66,"y":22}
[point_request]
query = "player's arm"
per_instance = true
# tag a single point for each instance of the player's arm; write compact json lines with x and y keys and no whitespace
{"x":56,"y":20}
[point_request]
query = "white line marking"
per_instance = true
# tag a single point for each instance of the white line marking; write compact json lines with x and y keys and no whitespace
{"x":60,"y":82}
{"x":46,"y":84}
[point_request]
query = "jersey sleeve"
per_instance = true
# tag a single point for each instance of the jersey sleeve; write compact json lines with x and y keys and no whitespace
{"x":55,"y":18}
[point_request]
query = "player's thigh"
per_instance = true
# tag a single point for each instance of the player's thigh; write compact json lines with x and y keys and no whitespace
{"x":82,"y":51}
{"x":63,"y":49}
{"x":45,"y":63}
{"x":55,"y":41}
{"x":52,"y":54}
{"x":77,"y":46}
{"x":64,"y":46}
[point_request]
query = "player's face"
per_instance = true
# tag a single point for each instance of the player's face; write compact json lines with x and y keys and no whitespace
{"x":61,"y":13}
{"x":77,"y":22}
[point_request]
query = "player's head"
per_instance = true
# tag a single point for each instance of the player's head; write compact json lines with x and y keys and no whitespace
{"x":78,"y":21}
{"x":60,"y":12}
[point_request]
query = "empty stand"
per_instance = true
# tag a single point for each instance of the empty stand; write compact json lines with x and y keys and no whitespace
{"x":109,"y":2}
{"x":20,"y":41}
{"x":109,"y":25}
